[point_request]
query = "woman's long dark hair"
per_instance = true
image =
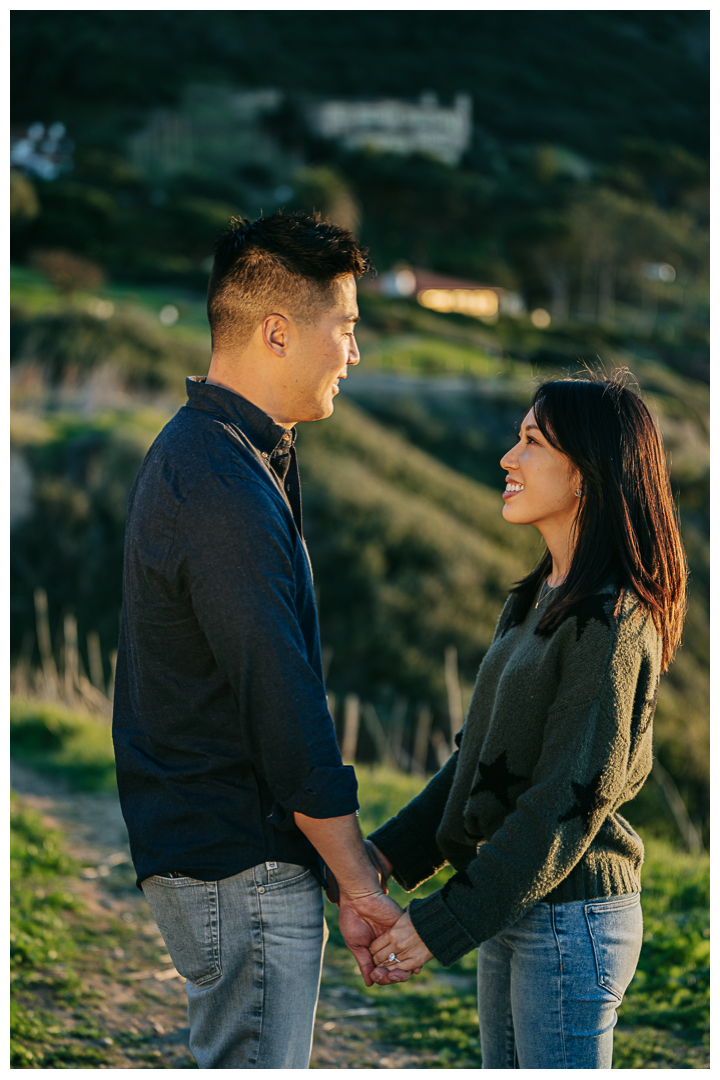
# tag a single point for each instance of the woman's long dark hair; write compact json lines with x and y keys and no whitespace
{"x":626,"y":531}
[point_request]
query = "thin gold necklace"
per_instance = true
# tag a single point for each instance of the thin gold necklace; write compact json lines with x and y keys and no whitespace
{"x":541,"y":597}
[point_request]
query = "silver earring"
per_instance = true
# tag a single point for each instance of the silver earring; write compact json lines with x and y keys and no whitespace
{"x":578,"y":493}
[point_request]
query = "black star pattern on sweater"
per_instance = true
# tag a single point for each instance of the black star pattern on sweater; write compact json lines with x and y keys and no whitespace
{"x":497,"y":779}
{"x":459,"y":881}
{"x":588,"y":805}
{"x":592,"y":607}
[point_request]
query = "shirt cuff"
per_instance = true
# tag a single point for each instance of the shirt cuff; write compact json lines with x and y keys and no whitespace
{"x":440,"y":931}
{"x":411,"y":863}
{"x":326,"y":792}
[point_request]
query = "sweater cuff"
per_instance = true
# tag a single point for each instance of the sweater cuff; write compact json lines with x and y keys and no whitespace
{"x":411,"y":863}
{"x":440,"y":931}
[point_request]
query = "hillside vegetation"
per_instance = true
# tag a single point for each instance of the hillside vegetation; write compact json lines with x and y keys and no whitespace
{"x":401,"y":492}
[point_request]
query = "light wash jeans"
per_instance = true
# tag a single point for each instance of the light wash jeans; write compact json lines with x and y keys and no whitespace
{"x":250,"y":947}
{"x":550,"y":984}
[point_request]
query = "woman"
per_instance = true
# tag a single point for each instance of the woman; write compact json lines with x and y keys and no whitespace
{"x":557,"y":737}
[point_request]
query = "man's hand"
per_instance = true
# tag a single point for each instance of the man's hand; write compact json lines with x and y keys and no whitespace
{"x":404,"y":941}
{"x":363,"y":919}
{"x":381,"y":864}
{"x":365,"y":912}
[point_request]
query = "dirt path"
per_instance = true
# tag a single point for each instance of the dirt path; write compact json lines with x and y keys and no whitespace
{"x":138,"y":1018}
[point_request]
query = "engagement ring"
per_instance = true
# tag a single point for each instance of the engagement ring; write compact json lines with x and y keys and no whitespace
{"x":392,"y":958}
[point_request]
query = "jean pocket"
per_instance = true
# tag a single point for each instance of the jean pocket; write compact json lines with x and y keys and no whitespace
{"x":187,"y":914}
{"x":616,"y":928}
{"x":285,"y":875}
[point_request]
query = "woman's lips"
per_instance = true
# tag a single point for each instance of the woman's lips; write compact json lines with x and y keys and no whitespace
{"x":511,"y":490}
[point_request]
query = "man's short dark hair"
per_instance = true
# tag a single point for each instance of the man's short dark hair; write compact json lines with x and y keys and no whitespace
{"x":283,"y":261}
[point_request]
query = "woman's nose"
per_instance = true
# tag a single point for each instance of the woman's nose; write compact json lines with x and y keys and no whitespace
{"x":508,"y":460}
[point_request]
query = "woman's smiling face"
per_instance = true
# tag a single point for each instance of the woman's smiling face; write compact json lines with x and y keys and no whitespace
{"x":541,"y":482}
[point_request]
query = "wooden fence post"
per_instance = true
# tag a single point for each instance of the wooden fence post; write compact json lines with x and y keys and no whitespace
{"x":422,"y":739}
{"x":52,"y":682}
{"x":397,"y":730}
{"x":351,"y":728}
{"x":383,"y":745}
{"x":95,"y":660}
{"x":71,"y":673}
{"x":111,"y":686}
{"x":441,"y":748}
{"x":677,"y":807}
{"x":452,"y":682}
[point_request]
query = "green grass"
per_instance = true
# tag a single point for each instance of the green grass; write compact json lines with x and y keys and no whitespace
{"x":664,"y":1020}
{"x":43,"y":947}
{"x":58,"y":741}
{"x":428,"y":355}
{"x":59,"y":1017}
{"x":32,"y":292}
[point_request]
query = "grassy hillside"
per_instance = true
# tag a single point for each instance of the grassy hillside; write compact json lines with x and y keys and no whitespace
{"x":410,"y":557}
{"x":401,"y":491}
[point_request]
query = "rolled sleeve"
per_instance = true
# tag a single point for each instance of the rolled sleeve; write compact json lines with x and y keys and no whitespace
{"x":325,"y":792}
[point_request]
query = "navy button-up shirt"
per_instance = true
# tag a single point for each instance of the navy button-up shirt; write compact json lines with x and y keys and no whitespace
{"x":221,"y":725}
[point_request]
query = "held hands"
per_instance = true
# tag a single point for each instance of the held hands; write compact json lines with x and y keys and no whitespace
{"x":365,"y":918}
{"x":403,"y":943}
{"x":358,"y":886}
{"x":362,"y":919}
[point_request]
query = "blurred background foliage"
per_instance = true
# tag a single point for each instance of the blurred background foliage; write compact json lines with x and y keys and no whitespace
{"x":585,"y":176}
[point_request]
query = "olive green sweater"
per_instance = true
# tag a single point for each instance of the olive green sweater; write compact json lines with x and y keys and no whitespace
{"x":557,"y":737}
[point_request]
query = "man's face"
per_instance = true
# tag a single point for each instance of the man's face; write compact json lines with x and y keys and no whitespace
{"x":323,"y":351}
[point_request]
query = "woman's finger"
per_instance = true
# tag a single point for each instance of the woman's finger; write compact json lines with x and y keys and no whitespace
{"x":406,"y":965}
{"x":385,"y":950}
{"x":382,"y":942}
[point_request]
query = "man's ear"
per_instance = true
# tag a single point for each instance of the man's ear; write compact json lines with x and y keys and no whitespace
{"x":275,"y":333}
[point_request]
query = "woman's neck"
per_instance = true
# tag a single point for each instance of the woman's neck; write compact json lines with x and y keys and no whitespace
{"x":561,"y":547}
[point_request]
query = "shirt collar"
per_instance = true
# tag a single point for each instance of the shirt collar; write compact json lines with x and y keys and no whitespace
{"x":261,"y":429}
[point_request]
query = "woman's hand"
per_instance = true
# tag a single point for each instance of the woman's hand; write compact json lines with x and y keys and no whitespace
{"x":361,"y":919}
{"x":409,"y":949}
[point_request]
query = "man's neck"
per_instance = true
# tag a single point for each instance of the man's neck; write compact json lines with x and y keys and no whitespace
{"x":256,"y":395}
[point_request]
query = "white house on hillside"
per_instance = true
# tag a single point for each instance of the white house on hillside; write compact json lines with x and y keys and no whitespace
{"x":399,"y":127}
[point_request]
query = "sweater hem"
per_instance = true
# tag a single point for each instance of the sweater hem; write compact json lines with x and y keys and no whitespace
{"x":589,"y":883}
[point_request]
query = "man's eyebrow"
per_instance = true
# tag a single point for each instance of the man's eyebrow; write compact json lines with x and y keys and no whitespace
{"x":353,"y":318}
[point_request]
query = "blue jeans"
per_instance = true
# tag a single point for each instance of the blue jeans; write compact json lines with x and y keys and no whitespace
{"x":550,"y":984}
{"x":250,"y":947}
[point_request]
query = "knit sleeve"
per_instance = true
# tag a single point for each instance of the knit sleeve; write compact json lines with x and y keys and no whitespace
{"x":408,"y":839}
{"x":578,"y":780}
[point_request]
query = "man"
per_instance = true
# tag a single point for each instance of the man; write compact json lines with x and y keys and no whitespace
{"x":230,"y":778}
